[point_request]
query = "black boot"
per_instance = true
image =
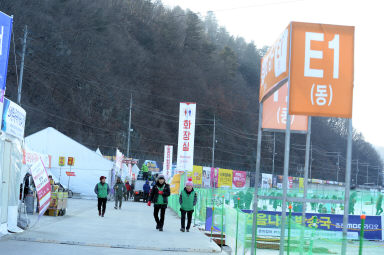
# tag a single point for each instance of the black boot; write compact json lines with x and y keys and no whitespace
{"x":182,"y":229}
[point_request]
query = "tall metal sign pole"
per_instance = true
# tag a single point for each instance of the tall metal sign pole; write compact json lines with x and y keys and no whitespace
{"x":347,"y":188}
{"x":22,"y":66}
{"x":257,"y":174}
{"x":129,"y":127}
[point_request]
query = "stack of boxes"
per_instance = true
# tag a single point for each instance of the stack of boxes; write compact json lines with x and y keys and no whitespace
{"x":58,"y":205}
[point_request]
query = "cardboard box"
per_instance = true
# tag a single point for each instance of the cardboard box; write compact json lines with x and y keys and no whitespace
{"x":53,"y":212}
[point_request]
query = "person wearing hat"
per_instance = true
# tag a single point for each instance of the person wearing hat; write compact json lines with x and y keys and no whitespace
{"x":102,"y":191}
{"x":159,"y":196}
{"x":187,"y":200}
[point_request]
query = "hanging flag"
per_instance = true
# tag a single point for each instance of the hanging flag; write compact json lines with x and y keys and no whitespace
{"x":186,"y":137}
{"x":167,"y":166}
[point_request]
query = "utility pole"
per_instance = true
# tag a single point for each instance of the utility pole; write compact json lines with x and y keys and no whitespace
{"x":22,"y":65}
{"x":129,"y":127}
{"x":273,"y":156}
{"x":213,"y":141}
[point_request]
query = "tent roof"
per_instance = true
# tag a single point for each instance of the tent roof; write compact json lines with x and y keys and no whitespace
{"x":88,"y":167}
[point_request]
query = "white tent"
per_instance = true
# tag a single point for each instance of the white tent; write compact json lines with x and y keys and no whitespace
{"x":88,"y":167}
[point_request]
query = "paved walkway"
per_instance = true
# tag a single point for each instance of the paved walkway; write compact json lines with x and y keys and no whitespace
{"x":131,"y":229}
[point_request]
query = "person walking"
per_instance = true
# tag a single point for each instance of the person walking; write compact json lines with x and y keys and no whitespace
{"x":102,"y":191}
{"x":144,"y":169}
{"x":187,"y":200}
{"x":159,"y":196}
{"x":146,"y":190}
{"x":119,"y":192}
{"x":131,"y":193}
{"x":379,"y":209}
{"x":127,"y":191}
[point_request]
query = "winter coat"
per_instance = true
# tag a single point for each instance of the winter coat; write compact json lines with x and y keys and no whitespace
{"x":102,"y":190}
{"x":155,"y":193}
{"x":144,"y":168}
{"x":146,"y":187}
{"x":128,"y":187}
{"x":187,"y":200}
{"x":119,"y":188}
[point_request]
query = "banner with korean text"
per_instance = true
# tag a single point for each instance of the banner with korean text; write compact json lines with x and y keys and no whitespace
{"x":187,"y":119}
{"x":197,"y":175}
{"x":225,"y":178}
{"x":239,"y":179}
{"x":43,"y":187}
{"x":167,"y":165}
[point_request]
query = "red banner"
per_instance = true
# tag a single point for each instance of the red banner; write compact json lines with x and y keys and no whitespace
{"x":239,"y":178}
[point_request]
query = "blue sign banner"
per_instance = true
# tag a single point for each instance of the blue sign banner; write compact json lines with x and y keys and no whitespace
{"x":329,"y":222}
{"x":13,"y":122}
{"x":5,"y":40}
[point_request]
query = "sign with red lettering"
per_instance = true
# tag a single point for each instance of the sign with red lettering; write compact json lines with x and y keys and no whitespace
{"x":70,"y":173}
{"x":186,"y":137}
{"x":71,"y":161}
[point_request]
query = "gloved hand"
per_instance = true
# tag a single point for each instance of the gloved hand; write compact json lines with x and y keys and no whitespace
{"x":149,"y":203}
{"x":160,"y":192}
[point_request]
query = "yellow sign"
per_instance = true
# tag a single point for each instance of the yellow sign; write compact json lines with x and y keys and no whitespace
{"x":197,"y":175}
{"x":175,"y":184}
{"x":61,"y":161}
{"x":225,"y":178}
{"x":71,"y":161}
{"x":301,"y":183}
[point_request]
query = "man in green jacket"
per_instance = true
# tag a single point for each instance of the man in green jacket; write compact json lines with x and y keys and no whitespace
{"x":188,"y":200}
{"x":119,"y":192}
{"x":102,"y":191}
{"x":379,"y":209}
{"x":144,"y":169}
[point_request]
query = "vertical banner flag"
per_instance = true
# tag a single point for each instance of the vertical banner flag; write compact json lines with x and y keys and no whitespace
{"x":225,"y":178}
{"x":119,"y":162}
{"x":197,"y":175}
{"x":5,"y":40}
{"x":175,"y":184}
{"x":214,"y":177}
{"x":206,"y":177}
{"x":167,"y":165}
{"x":43,"y":187}
{"x":186,"y":137}
{"x":239,"y":179}
{"x":275,"y":112}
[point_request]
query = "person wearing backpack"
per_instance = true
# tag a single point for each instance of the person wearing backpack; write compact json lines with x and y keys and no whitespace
{"x":187,"y":200}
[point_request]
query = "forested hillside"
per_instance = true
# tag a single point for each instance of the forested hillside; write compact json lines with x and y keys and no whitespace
{"x":85,"y":59}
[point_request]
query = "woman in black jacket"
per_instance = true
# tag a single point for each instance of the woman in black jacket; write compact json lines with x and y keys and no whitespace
{"x":159,"y":196}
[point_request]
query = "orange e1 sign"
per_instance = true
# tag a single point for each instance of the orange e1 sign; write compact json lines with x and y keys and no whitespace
{"x":275,"y":66}
{"x":275,"y":113}
{"x":321,"y":70}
